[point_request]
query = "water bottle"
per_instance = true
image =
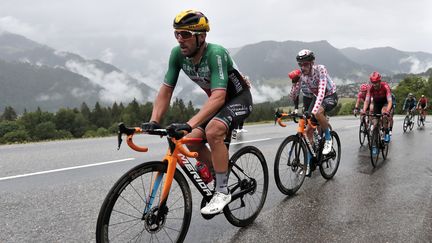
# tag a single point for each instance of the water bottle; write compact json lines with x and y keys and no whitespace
{"x":204,"y":172}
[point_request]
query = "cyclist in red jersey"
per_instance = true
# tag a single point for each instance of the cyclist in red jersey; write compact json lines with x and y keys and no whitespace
{"x":422,"y":106}
{"x":361,"y":96}
{"x":382,"y":102}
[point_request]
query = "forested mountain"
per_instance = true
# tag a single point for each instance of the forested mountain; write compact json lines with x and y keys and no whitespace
{"x":33,"y":75}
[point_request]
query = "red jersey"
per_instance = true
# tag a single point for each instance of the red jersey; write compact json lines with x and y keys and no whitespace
{"x":361,"y":96}
{"x":422,"y":101}
{"x":379,"y":95}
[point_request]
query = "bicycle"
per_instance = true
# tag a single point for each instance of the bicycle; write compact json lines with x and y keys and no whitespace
{"x":421,"y":118}
{"x":408,"y":121}
{"x":377,"y":141}
{"x":291,"y":156}
{"x":364,"y":130}
{"x":153,"y":202}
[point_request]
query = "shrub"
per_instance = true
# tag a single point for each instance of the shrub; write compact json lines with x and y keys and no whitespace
{"x":17,"y":136}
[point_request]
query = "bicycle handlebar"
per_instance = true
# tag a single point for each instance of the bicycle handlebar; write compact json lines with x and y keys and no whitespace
{"x":161,"y":132}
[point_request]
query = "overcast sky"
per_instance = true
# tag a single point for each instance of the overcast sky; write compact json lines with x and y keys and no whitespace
{"x":124,"y":30}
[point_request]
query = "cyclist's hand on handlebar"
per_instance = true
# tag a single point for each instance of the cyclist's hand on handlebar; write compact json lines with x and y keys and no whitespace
{"x":150,"y":126}
{"x":356,"y":111}
{"x":362,"y":112}
{"x":278,"y":114}
{"x":295,"y":111}
{"x":176,"y":129}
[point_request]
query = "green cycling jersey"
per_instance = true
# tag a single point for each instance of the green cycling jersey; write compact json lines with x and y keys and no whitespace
{"x":216,"y":70}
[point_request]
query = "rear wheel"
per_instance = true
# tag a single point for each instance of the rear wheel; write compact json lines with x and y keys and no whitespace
{"x":375,"y":146}
{"x":330,"y":162}
{"x":126,"y":216}
{"x":290,"y":165}
{"x":248,"y":185}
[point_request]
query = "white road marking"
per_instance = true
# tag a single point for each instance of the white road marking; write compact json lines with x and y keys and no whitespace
{"x":251,"y":141}
{"x":97,"y":164}
{"x":64,"y":169}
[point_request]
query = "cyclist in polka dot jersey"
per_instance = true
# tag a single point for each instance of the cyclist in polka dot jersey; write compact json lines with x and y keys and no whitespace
{"x":319,"y":93}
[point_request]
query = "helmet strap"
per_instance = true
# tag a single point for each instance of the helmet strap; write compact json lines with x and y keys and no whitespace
{"x":197,"y":48}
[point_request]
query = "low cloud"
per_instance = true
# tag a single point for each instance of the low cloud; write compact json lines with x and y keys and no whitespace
{"x":49,"y":97}
{"x":115,"y":86}
{"x":417,"y":66}
{"x":14,"y":25}
{"x":264,"y":93}
{"x":107,"y":55}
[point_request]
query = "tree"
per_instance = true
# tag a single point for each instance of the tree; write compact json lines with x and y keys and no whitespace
{"x":9,"y":114}
{"x":100,"y":116}
{"x":45,"y":130}
{"x":31,"y":119}
{"x":85,"y":111}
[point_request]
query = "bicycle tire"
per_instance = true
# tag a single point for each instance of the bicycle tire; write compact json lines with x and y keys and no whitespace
{"x":334,"y":155}
{"x":243,"y":174}
{"x":412,"y":123}
{"x":296,"y":169}
{"x":126,"y":201}
{"x":375,"y":143}
{"x":384,"y":150}
{"x":362,"y":134}
{"x":405,"y":123}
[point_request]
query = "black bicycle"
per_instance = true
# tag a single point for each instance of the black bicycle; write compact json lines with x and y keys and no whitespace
{"x":377,"y":140}
{"x":364,"y":130}
{"x":152,"y":202}
{"x":409,"y":121}
{"x":421,"y":118}
{"x":291,"y":156}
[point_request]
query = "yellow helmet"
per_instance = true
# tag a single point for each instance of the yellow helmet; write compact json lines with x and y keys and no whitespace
{"x":191,"y":20}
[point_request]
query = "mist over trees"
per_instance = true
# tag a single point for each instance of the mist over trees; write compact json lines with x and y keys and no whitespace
{"x":98,"y":121}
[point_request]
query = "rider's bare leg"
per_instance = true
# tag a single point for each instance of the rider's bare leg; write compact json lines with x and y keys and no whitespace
{"x":204,"y":154}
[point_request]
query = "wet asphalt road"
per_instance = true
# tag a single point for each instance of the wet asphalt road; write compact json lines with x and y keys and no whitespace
{"x":391,"y":203}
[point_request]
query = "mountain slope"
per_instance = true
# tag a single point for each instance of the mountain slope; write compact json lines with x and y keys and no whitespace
{"x":271,"y":59}
{"x":68,"y":77}
{"x":391,"y":59}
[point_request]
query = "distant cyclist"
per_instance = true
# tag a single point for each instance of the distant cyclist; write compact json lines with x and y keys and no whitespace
{"x":361,"y":96}
{"x":422,"y":106}
{"x":380,"y":94}
{"x":319,"y":95}
{"x":410,"y":104}
{"x":392,"y":113}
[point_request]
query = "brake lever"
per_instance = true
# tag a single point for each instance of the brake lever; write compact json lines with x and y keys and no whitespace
{"x":120,"y":140}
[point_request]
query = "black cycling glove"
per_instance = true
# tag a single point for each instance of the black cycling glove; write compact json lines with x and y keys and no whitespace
{"x":175,"y":129}
{"x":150,"y":126}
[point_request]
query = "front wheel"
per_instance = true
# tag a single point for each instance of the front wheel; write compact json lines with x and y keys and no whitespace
{"x":248,"y":185}
{"x":330,"y":162}
{"x":362,"y":134}
{"x":127,"y":216}
{"x":406,"y":123}
{"x":290,"y":165}
{"x":412,"y":121}
{"x":375,"y":146}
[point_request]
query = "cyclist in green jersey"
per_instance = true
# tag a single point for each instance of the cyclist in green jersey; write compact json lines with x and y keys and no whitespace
{"x":229,"y":98}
